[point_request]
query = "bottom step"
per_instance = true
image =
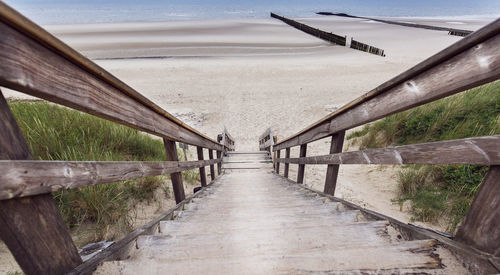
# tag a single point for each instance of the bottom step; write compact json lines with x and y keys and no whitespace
{"x":413,"y":256}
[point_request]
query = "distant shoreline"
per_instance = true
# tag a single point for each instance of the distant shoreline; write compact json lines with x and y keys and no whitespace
{"x":489,"y":17}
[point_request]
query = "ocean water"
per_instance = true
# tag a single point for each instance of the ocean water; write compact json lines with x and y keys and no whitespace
{"x":94,"y":11}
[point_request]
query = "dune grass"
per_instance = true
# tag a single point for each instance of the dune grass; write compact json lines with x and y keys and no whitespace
{"x":440,"y":190}
{"x":57,"y":133}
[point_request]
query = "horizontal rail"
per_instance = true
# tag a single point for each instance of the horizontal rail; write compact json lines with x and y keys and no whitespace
{"x":21,"y":178}
{"x":266,"y":133}
{"x":266,"y":144}
{"x":480,"y":150}
{"x":34,"y":62}
{"x":472,"y":61}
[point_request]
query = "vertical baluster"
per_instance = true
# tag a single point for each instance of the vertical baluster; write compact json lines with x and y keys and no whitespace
{"x":212,"y":170}
{"x":287,"y":165}
{"x":176,"y":178}
{"x":333,"y":169}
{"x":277,"y":163}
{"x":203,"y":176}
{"x":300,"y":173}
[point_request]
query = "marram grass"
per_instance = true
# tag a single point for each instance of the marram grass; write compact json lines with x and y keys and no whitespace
{"x":58,"y":133}
{"x":440,"y":191}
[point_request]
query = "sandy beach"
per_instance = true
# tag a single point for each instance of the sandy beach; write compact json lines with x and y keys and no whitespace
{"x":251,"y":74}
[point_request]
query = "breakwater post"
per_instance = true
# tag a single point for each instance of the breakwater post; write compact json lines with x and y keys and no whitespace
{"x":331,"y":37}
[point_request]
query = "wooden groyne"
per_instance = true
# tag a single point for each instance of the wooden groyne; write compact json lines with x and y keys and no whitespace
{"x":366,"y":48}
{"x":451,"y":31}
{"x":328,"y":36}
{"x":331,"y":37}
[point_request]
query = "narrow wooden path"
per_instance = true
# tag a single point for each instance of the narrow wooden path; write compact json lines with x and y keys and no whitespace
{"x":251,"y":221}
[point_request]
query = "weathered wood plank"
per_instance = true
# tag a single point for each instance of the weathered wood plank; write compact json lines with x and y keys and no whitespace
{"x":470,"y":62}
{"x":480,"y":150}
{"x":212,"y":169}
{"x":219,"y":164}
{"x":32,"y":228}
{"x":333,"y":169}
{"x":277,"y":165}
{"x":300,"y":173}
{"x":41,"y":36}
{"x":176,"y":178}
{"x":26,"y":178}
{"x":29,"y":67}
{"x":203,"y":175}
{"x":474,"y":260}
{"x":118,"y":249}
{"x":266,"y":133}
{"x":287,"y":165}
{"x":481,"y":226}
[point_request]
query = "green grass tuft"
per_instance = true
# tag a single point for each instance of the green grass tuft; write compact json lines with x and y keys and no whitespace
{"x":441,"y":190}
{"x":57,"y":133}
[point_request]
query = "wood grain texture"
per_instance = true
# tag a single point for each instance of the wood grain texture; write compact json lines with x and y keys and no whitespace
{"x":203,"y":175}
{"x":27,"y":178}
{"x":481,"y":226}
{"x":477,"y":52}
{"x":333,"y":169}
{"x":301,"y":170}
{"x":212,"y":169}
{"x":31,"y":68}
{"x":277,"y":165}
{"x":266,"y":133}
{"x":176,"y":178}
{"x":480,"y":150}
{"x":116,"y":250}
{"x":474,"y":260}
{"x":287,"y":165}
{"x":219,"y":164}
{"x":32,"y":228}
{"x":35,"y":32}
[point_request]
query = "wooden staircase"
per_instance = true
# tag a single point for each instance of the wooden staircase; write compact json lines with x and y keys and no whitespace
{"x":247,"y":160}
{"x":255,"y":222}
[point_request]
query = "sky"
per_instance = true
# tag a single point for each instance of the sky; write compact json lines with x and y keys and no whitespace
{"x":89,"y":11}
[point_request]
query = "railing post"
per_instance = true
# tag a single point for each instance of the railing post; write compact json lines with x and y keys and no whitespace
{"x":176,"y":178}
{"x":287,"y":165}
{"x":481,"y":226}
{"x":203,"y":176}
{"x":219,"y":165}
{"x":332,"y":171}
{"x":300,"y":173}
{"x":32,"y":227}
{"x":212,"y":170}
{"x":277,"y":163}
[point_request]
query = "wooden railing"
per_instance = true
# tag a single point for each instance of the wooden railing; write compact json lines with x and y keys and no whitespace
{"x":267,"y":140}
{"x":226,"y":139}
{"x":36,"y":63}
{"x":472,"y":61}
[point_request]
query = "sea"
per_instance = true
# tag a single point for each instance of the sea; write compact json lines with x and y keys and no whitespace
{"x":102,"y":11}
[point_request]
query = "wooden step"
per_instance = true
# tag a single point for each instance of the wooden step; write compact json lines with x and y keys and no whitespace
{"x":180,"y":225}
{"x":414,"y":256}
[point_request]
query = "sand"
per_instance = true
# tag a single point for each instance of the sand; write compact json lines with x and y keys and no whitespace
{"x":251,"y":74}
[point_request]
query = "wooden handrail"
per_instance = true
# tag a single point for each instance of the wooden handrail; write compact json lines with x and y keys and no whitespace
{"x":267,"y":140}
{"x":32,"y":177}
{"x":35,"y":62}
{"x":470,"y":62}
{"x":226,"y":140}
{"x":480,"y":150}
